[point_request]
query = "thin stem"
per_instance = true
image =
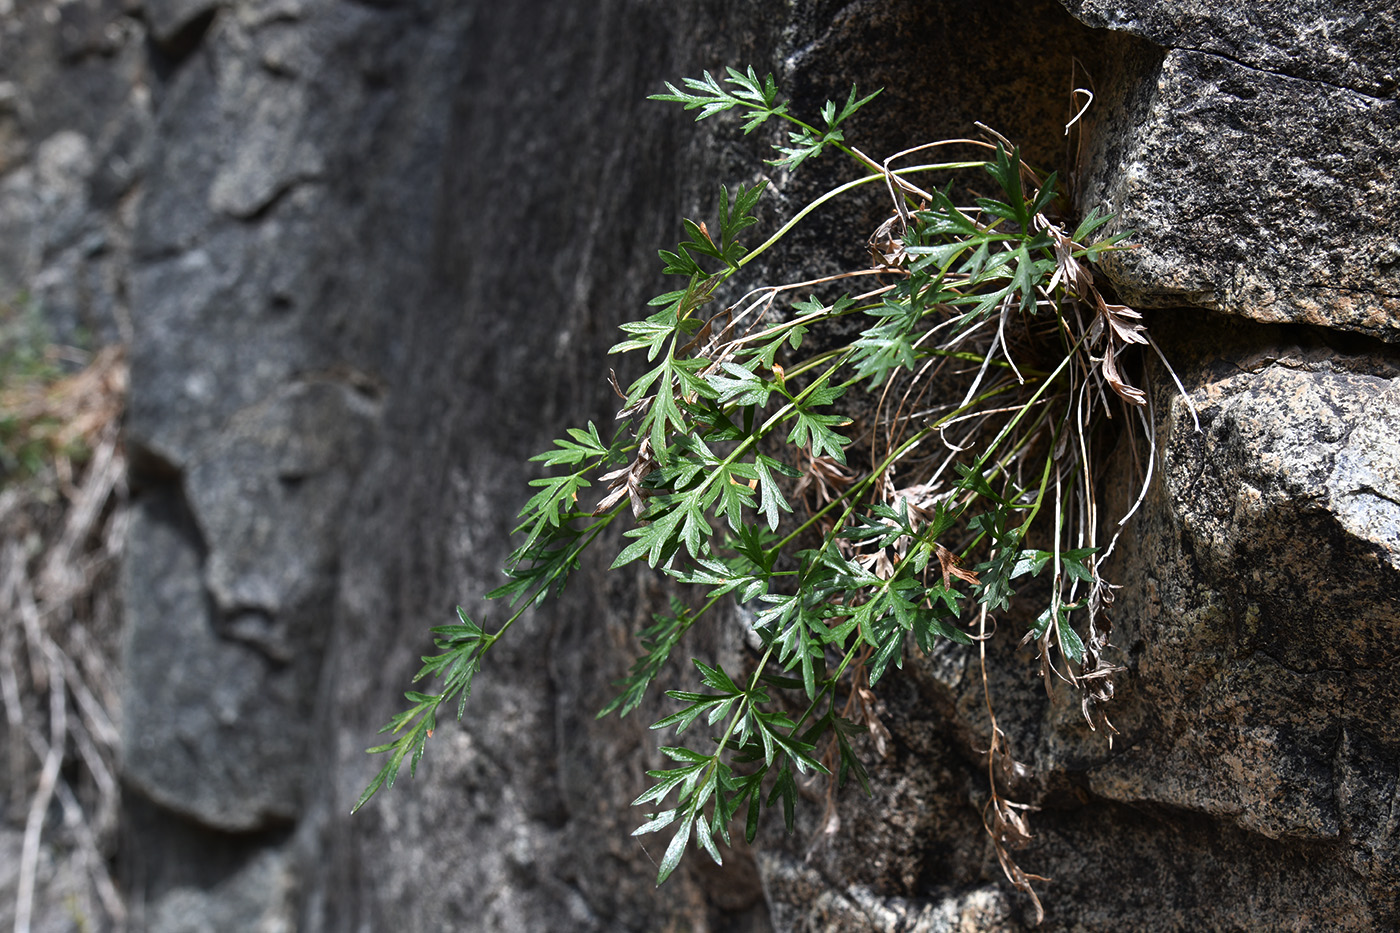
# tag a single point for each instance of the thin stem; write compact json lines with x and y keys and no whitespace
{"x":837,"y":192}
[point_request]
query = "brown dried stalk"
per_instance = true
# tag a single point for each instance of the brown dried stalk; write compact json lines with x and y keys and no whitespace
{"x":55,"y":615}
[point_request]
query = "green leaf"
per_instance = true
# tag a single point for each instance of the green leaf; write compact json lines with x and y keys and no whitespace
{"x":1070,"y":642}
{"x":461,"y":660}
{"x":716,"y":679}
{"x":1093,"y":252}
{"x":667,"y":781}
{"x":944,"y":219}
{"x":975,"y":481}
{"x":658,"y":822}
{"x":1007,"y":172}
{"x":850,"y":107}
{"x":798,"y":649}
{"x":889,"y":640}
{"x":663,"y":415}
{"x":653,"y":333}
{"x":695,"y":530}
{"x":699,"y":241}
{"x":679,"y":753}
{"x":1091,"y":222}
{"x":770,"y":497}
{"x":1023,"y":280}
{"x":850,"y":761}
{"x":657,"y":540}
{"x":707,"y":96}
{"x":814,"y":432}
{"x":751,"y":818}
{"x":1030,"y":562}
{"x":804,"y":144}
{"x":731,"y":484}
{"x":541,"y":568}
{"x":1047,"y":193}
{"x":675,"y":850}
{"x":557,"y":494}
{"x":707,"y":571}
{"x":735,"y":217}
{"x":882,"y":348}
{"x":1075,"y":563}
{"x":785,"y":788}
{"x":942,"y":255}
{"x":584,"y":444}
{"x":706,"y":841}
{"x":741,"y":386}
{"x":679,"y":263}
{"x":712,"y":706}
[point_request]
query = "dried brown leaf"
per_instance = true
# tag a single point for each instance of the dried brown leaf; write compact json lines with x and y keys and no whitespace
{"x":627,"y":481}
{"x":951,"y":565}
{"x":1124,"y":389}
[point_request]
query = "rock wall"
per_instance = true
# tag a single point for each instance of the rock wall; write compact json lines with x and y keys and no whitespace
{"x":371,"y":256}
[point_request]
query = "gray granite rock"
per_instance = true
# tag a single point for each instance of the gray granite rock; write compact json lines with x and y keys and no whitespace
{"x":1257,"y":189}
{"x":59,"y":878}
{"x":272,"y":149}
{"x":293,"y":458}
{"x":1269,"y":599}
{"x":211,"y":726}
{"x":1355,"y":46}
{"x":338,"y":371}
{"x":171,"y":21}
{"x":259,"y":898}
{"x":816,"y":904}
{"x":74,"y":119}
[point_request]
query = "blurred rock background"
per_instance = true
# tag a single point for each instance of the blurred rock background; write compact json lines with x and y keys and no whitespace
{"x":364,"y":258}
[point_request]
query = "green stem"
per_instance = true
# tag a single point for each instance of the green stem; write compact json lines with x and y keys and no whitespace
{"x":842,"y":189}
{"x":591,"y":533}
{"x":828,"y":686}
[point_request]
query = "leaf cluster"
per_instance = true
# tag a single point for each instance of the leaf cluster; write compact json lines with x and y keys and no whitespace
{"x":863,"y":500}
{"x":758,"y":101}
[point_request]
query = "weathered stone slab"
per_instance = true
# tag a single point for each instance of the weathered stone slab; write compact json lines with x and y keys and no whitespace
{"x":1353,"y":45}
{"x":206,"y":724}
{"x":1264,"y":614}
{"x":1251,"y":192}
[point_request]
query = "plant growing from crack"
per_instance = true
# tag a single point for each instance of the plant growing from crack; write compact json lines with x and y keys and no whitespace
{"x":861,"y":497}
